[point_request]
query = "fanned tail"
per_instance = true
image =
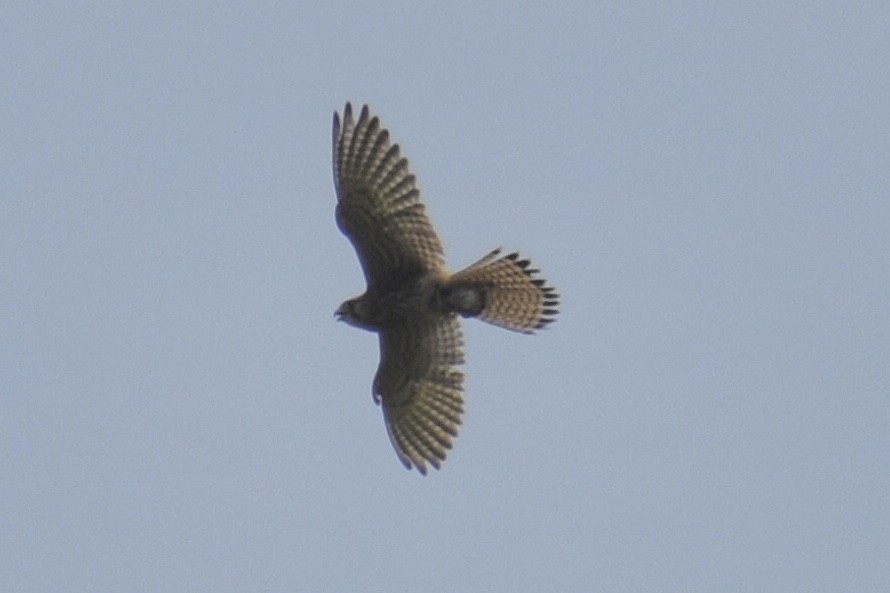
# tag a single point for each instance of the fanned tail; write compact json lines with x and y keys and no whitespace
{"x":503,"y":291}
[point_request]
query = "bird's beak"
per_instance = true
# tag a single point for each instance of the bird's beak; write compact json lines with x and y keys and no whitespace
{"x":340,"y":313}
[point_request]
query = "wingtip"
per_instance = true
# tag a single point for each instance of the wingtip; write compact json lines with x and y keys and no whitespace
{"x":347,"y":116}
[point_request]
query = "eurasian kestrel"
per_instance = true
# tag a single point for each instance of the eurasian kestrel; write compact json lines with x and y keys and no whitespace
{"x":411,"y":301}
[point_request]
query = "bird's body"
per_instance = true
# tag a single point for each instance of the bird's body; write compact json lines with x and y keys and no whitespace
{"x":411,"y":301}
{"x":410,"y":296}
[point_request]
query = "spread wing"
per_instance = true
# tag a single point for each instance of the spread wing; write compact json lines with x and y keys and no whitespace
{"x":420,"y":389}
{"x":378,"y":205}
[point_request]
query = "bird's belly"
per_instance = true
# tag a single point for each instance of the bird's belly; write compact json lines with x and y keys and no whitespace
{"x":405,"y":306}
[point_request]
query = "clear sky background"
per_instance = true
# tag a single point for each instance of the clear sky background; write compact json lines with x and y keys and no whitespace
{"x":707,"y":186}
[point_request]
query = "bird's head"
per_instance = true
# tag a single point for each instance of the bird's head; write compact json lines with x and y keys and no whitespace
{"x":355,"y":312}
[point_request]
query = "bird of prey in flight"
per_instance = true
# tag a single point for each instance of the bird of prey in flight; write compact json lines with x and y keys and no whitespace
{"x":411,"y":301}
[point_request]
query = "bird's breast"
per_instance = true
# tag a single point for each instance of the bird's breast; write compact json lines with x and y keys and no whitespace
{"x":407,"y":303}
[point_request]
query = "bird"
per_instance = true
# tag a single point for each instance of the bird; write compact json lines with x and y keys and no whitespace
{"x":411,"y":301}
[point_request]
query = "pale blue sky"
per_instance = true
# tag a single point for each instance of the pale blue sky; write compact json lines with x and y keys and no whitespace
{"x":708,"y":187}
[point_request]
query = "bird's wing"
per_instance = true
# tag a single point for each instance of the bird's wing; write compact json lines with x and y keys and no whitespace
{"x":379,"y":207}
{"x":420,"y":388}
